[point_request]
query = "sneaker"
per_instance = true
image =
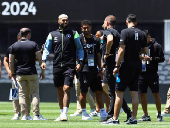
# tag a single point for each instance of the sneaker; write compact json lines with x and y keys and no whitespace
{"x":111,"y":121}
{"x":76,"y":114}
{"x":94,"y":114}
{"x":164,"y":114}
{"x":64,"y":117}
{"x":86,"y":117}
{"x":29,"y":117}
{"x":145,"y":118}
{"x":160,"y":118}
{"x":26,"y":118}
{"x":130,"y":121}
{"x":128,"y":116}
{"x":58,"y":118}
{"x":40,"y":117}
{"x":103,"y":116}
{"x":104,"y":120}
{"x":16,"y":117}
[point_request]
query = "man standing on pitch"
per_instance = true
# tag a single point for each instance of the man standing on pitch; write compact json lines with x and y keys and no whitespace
{"x":25,"y":52}
{"x":64,"y":43}
{"x":132,"y":42}
{"x":90,"y":76}
{"x":149,"y":77}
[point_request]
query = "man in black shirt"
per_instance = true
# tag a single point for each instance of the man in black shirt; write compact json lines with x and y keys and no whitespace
{"x":150,"y":77}
{"x":131,"y":42}
{"x":111,"y":40}
{"x":25,"y":51}
{"x":89,"y":75}
{"x":65,"y":43}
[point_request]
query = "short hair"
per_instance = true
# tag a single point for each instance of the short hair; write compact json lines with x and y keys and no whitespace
{"x":85,"y":22}
{"x":101,"y":32}
{"x":19,"y":35}
{"x":131,"y":18}
{"x":146,"y":32}
{"x":25,"y":32}
{"x":62,"y":16}
{"x":111,"y":19}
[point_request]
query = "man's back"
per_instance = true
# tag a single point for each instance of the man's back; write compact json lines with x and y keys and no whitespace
{"x":24,"y":51}
{"x":134,"y":39}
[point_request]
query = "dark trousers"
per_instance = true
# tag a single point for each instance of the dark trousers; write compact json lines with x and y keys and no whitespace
{"x":111,"y":83}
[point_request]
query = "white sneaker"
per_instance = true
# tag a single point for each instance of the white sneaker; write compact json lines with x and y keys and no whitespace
{"x":86,"y":117}
{"x":64,"y":117}
{"x":94,"y":114}
{"x":58,"y":118}
{"x":16,"y":117}
{"x":76,"y":114}
{"x":40,"y":117}
{"x":29,"y":117}
{"x":164,"y":114}
{"x":26,"y":118}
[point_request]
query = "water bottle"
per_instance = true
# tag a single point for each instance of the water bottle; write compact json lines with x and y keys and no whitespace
{"x":117,"y":78}
{"x":143,"y":65}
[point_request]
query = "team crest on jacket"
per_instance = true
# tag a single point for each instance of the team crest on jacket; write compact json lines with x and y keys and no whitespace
{"x":68,"y":35}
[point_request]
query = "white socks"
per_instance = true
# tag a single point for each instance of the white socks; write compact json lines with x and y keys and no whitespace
{"x":65,"y":109}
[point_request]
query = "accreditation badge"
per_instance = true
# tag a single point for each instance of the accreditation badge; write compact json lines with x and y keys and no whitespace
{"x":90,"y":59}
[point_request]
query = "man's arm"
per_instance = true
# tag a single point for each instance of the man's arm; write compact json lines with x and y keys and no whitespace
{"x":109,"y":43}
{"x":120,"y":55}
{"x":11,"y":63}
{"x":39,"y":59}
{"x":160,"y":53}
{"x":47,"y":47}
{"x":79,"y":48}
{"x":145,"y":50}
{"x":6,"y":61}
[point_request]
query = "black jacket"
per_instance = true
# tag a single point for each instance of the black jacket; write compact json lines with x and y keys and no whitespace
{"x":157,"y":55}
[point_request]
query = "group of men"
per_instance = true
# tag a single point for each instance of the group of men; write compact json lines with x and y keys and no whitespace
{"x":103,"y":58}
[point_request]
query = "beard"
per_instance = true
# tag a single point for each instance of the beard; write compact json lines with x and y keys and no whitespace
{"x":104,"y":27}
{"x":63,"y":26}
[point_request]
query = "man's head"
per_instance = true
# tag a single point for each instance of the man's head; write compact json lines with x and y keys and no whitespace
{"x":63,"y":21}
{"x":86,"y":27}
{"x":19,"y":36}
{"x":148,"y":35}
{"x":131,"y":19}
{"x":109,"y":21}
{"x":99,"y":34}
{"x":25,"y":33}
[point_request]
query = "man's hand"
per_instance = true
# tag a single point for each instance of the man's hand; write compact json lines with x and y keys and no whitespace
{"x":42,"y":75}
{"x":9,"y":74}
{"x":116,"y":70}
{"x":100,"y":74}
{"x":43,"y":66}
{"x":147,"y":58}
{"x":105,"y":56}
{"x":78,"y":67}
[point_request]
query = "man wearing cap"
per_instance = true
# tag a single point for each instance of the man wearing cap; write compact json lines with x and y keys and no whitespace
{"x":65,"y":44}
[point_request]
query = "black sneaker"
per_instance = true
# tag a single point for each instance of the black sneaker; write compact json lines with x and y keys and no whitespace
{"x":145,"y":118}
{"x":111,"y":121}
{"x":108,"y":117}
{"x":160,"y":118}
{"x":131,"y":121}
{"x":128,"y":116}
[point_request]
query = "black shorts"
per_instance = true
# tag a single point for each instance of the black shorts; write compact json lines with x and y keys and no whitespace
{"x":90,"y":79}
{"x":148,"y":80}
{"x":105,"y":81}
{"x":63,"y":76}
{"x":129,"y":77}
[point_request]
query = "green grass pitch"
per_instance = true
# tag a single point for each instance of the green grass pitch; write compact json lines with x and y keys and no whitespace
{"x":51,"y":111}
